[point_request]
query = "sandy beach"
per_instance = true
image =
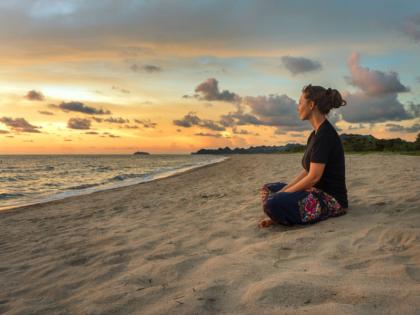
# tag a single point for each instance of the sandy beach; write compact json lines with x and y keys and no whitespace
{"x":190,"y":244}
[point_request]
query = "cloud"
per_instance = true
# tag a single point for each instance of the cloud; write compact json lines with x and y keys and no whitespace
{"x":130,"y":127}
{"x":191,"y":119}
{"x":373,"y":82}
{"x":19,"y":125}
{"x":296,"y":135}
{"x":34,"y":96}
{"x":276,"y":110}
{"x":202,"y":134}
{"x":110,"y":135}
{"x":412,"y":27}
{"x":146,"y":123}
{"x":239,"y":118}
{"x":366,"y":108}
{"x":44,"y":112}
{"x":2,"y":132}
{"x":359,"y":126}
{"x":398,"y":128}
{"x":81,"y":108}
{"x":237,"y":131}
{"x":209,"y":91}
{"x":78,"y":123}
{"x":116,"y":120}
{"x":377,"y":99}
{"x":146,"y":68}
{"x":297,"y":65}
{"x":120,"y":89}
{"x":413,"y":109}
{"x":91,"y":133}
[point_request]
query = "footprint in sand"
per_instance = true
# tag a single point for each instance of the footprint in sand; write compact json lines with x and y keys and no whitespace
{"x":413,"y":272}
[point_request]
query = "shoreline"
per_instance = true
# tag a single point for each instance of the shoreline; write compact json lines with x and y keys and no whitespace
{"x":88,"y":191}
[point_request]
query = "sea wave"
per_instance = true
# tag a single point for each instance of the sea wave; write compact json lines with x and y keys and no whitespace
{"x":10,"y":196}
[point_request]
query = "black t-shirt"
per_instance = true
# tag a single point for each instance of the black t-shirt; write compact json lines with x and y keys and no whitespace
{"x":325,"y":146}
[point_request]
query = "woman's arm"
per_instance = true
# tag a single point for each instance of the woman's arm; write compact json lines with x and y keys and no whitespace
{"x":315,"y":173}
{"x":301,"y":175}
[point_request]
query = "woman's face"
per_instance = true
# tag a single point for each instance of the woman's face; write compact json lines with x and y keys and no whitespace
{"x":304,"y":108}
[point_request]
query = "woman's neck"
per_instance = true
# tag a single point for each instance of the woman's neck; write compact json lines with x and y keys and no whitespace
{"x":317,"y":121}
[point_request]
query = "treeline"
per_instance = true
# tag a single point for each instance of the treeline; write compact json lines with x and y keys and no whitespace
{"x":290,"y":147}
{"x":363,"y":143}
{"x":351,"y":143}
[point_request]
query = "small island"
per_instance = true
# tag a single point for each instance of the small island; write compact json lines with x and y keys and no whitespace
{"x":141,"y":153}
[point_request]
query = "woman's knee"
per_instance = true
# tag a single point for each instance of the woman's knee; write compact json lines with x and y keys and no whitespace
{"x":274,"y":187}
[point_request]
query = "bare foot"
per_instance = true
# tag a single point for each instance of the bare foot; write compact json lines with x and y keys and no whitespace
{"x":266,"y":223}
{"x":264,"y":192}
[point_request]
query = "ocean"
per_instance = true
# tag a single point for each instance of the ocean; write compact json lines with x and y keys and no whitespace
{"x":30,"y":179}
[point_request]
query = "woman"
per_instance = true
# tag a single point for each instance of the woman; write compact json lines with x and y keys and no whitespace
{"x":319,"y":191}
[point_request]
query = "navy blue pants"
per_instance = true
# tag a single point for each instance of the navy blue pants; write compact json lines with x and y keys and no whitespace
{"x":300,"y":207}
{"x":283,"y":207}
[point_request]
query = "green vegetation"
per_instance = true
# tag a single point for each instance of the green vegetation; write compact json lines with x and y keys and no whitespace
{"x":368,"y":143}
{"x":352,"y":143}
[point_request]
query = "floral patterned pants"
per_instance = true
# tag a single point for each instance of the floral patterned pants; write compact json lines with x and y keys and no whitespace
{"x":301,"y":207}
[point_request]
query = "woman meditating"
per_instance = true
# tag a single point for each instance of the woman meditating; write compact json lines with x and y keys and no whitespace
{"x":319,"y":191}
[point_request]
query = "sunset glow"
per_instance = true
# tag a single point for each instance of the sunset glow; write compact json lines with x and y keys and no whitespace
{"x":178,"y":76}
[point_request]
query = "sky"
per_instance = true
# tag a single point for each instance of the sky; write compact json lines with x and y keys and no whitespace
{"x":115,"y":77}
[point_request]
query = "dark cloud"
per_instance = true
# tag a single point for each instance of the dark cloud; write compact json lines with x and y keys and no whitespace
{"x":412,"y":27}
{"x":120,"y":89}
{"x":44,"y":112}
{"x":146,"y":68}
{"x":146,"y":123}
{"x":398,"y":128}
{"x":2,"y":132}
{"x":373,"y":82}
{"x":239,"y":118}
{"x":116,"y":120}
{"x":366,"y":108}
{"x":130,"y":127}
{"x":110,"y":135}
{"x":91,"y":133}
{"x":19,"y":125}
{"x":413,"y":109}
{"x":214,"y":135}
{"x":97,"y":119}
{"x":377,"y":101}
{"x":34,"y":96}
{"x":209,"y":91}
{"x":78,"y":123}
{"x":81,"y":108}
{"x":297,"y":65}
{"x":276,"y":110}
{"x":191,"y":119}
{"x":237,"y":131}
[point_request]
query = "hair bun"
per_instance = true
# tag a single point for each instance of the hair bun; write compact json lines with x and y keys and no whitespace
{"x":325,"y":99}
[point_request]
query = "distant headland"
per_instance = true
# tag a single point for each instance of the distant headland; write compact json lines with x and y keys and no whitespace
{"x":351,"y":143}
{"x":141,"y":153}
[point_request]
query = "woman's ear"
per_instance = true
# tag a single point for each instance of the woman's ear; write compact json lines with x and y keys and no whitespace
{"x":312,"y":104}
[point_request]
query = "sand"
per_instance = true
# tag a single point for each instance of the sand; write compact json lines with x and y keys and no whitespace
{"x":189,"y":244}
